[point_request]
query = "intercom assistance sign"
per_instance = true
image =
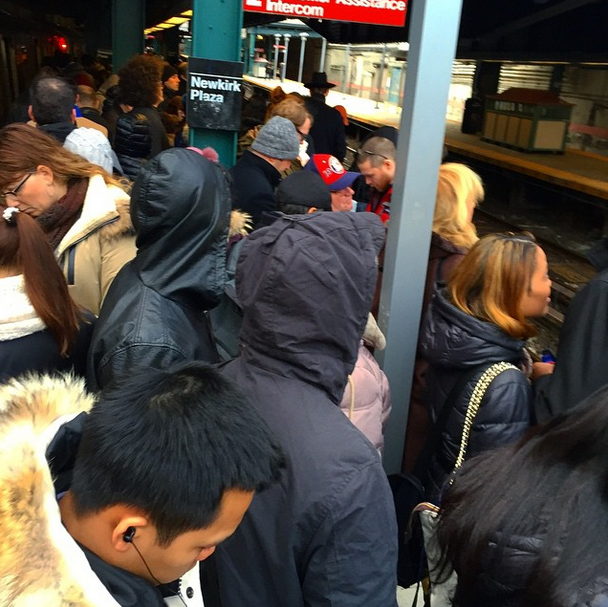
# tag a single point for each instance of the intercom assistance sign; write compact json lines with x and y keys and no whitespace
{"x":379,"y":12}
{"x":214,"y":94}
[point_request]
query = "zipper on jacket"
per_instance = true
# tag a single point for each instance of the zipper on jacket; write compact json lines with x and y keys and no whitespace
{"x":72,"y":250}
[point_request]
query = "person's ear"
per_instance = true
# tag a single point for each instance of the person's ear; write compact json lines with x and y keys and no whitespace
{"x":311,"y":210}
{"x":30,"y":113}
{"x":126,"y":530}
{"x":390,"y":166}
{"x":47,"y":173}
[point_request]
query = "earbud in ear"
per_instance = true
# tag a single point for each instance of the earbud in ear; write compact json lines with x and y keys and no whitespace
{"x":129,"y":535}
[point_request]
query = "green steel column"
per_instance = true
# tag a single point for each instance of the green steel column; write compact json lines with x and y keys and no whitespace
{"x":216,"y":34}
{"x":127,"y":30}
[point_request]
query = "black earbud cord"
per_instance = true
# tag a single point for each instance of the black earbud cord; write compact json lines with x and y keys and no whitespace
{"x":143,"y":560}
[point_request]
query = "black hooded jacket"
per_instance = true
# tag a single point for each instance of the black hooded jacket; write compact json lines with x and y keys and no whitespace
{"x":154,"y":313}
{"x":454,"y":343}
{"x":582,"y":363}
{"x":327,"y":534}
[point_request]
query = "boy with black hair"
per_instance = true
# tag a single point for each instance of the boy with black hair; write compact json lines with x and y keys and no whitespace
{"x":168,"y":464}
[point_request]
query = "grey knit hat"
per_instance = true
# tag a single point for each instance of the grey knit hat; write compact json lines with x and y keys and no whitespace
{"x":278,"y":138}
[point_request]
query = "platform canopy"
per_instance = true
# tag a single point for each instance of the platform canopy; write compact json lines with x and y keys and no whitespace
{"x":521,"y":30}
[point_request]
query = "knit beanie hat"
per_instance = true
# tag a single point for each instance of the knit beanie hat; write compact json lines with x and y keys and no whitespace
{"x":278,"y":138}
{"x":168,"y":71}
{"x":303,"y":188}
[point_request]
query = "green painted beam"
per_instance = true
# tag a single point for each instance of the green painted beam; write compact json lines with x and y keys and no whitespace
{"x":216,"y":34}
{"x":127,"y":30}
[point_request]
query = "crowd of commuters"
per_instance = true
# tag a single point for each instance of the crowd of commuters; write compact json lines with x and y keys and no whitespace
{"x":219,"y":326}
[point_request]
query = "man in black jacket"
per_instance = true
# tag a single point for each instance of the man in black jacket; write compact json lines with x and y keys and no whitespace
{"x":582,"y":362}
{"x":155,"y":312}
{"x":258,"y":172}
{"x":327,"y":130}
{"x":327,"y":534}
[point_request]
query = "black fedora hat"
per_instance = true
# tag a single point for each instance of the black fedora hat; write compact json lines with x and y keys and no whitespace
{"x":319,"y":81}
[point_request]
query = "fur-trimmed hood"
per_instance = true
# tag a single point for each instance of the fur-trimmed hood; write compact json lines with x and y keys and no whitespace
{"x":40,"y":564}
{"x":105,"y":208}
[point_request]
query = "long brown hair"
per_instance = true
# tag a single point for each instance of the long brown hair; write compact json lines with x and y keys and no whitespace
{"x":25,"y":248}
{"x":493,"y":277}
{"x":23,"y":148}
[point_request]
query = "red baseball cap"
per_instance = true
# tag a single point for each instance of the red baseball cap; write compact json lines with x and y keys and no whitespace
{"x":335,"y":176}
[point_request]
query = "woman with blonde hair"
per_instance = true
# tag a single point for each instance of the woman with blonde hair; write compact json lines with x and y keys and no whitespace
{"x":480,"y":319}
{"x":459,"y":191}
{"x":82,"y":210}
{"x":41,"y":328}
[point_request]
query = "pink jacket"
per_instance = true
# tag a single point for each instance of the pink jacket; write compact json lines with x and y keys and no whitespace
{"x":367,"y":398}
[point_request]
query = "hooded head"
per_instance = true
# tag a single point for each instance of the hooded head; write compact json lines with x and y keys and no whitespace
{"x":180,"y":207}
{"x":306,"y":284}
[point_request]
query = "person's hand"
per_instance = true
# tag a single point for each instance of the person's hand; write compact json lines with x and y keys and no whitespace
{"x":540,"y":369}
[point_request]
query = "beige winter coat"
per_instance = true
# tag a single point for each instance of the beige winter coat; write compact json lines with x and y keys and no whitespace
{"x":97,"y":246}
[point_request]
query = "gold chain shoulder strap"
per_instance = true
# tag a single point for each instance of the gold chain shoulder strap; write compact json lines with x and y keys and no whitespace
{"x":488,"y":376}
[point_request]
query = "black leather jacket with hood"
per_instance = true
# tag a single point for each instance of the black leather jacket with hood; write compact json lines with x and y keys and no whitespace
{"x":154,"y":313}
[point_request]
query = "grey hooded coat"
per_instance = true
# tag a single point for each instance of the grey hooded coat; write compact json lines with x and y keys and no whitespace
{"x":326,"y":535}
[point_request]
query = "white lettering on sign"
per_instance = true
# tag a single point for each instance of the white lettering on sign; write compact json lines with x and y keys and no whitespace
{"x":198,"y":95}
{"x":220,"y":85}
{"x":287,"y":8}
{"x":392,"y":5}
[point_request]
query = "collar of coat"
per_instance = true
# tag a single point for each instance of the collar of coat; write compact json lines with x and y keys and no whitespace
{"x":45,"y":567}
{"x":17,"y":315}
{"x":105,"y":206}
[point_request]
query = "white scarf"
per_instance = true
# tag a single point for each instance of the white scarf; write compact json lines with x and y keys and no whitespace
{"x":17,"y":315}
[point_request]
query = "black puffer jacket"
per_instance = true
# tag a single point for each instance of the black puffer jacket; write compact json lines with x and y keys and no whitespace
{"x":326,"y":535}
{"x":140,"y":135}
{"x":454,"y":343}
{"x":582,"y":365}
{"x":502,"y":581}
{"x":154,"y":313}
{"x":132,"y":143}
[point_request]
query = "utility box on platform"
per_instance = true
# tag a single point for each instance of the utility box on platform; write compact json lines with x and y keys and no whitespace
{"x":527,"y":119}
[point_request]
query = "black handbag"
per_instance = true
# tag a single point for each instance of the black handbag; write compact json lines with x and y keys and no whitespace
{"x":409,"y":491}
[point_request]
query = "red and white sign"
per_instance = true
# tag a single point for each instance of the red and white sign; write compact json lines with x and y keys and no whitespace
{"x":376,"y":12}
